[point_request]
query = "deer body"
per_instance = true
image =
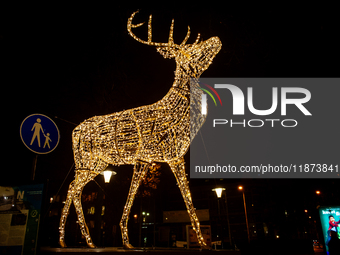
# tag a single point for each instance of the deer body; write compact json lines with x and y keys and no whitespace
{"x":159,"y":132}
{"x":141,"y":133}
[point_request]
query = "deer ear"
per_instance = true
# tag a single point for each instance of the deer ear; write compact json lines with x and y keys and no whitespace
{"x":167,"y":52}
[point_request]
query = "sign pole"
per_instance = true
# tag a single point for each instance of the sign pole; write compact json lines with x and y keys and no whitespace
{"x":34,"y":166}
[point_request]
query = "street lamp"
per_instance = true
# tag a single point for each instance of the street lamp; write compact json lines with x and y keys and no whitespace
{"x":107,"y":175}
{"x":219,"y":195}
{"x":144,"y":215}
{"x":245,"y":211}
{"x":218,"y":192}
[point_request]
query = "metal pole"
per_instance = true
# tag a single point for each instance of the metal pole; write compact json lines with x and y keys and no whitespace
{"x":34,"y":166}
{"x":227,"y":211}
{"x":245,"y":212}
{"x":220,"y":229}
{"x":140,"y":223}
{"x":154,"y":222}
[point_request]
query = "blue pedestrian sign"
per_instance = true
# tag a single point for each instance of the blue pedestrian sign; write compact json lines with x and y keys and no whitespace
{"x":39,"y":133}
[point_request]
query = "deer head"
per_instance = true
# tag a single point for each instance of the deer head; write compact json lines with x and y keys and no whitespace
{"x":191,"y":59}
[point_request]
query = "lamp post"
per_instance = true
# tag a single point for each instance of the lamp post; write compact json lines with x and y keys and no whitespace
{"x":144,"y":216}
{"x":318,"y":194}
{"x":245,"y":211}
{"x":107,"y":173}
{"x":219,"y":195}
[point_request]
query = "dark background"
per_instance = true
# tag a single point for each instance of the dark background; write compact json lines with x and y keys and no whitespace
{"x":73,"y":62}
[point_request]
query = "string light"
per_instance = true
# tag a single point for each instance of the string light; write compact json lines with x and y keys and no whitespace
{"x":160,"y":132}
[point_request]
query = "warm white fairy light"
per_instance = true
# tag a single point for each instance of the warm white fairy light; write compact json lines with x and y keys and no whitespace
{"x":160,"y":132}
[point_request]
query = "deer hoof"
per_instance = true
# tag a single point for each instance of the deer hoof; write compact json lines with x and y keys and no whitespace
{"x":127,"y":246}
{"x":204,"y":246}
{"x":62,"y":244}
{"x":91,"y":245}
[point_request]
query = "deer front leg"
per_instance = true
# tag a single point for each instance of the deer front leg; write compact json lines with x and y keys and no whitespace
{"x":139,"y":172}
{"x":178,"y":168}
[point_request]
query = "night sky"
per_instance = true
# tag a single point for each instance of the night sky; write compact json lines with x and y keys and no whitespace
{"x":72,"y":63}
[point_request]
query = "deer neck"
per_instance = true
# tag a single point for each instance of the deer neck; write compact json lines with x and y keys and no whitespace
{"x":182,"y":81}
{"x":181,"y":85}
{"x":183,"y":77}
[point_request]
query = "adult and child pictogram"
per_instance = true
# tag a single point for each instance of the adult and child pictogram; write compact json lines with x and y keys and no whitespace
{"x":39,"y":133}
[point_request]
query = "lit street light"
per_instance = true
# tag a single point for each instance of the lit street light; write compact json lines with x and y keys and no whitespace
{"x":107,"y":175}
{"x":218,"y":192}
{"x":145,"y":214}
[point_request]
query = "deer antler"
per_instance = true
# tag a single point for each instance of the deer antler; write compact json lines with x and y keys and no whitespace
{"x":158,"y":44}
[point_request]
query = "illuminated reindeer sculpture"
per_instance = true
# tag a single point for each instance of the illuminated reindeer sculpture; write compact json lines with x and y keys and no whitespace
{"x":159,"y":132}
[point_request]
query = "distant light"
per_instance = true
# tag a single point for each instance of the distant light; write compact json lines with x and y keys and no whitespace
{"x":91,"y":210}
{"x":318,"y":192}
{"x":147,"y":214}
{"x":143,"y":213}
{"x":240,"y":187}
{"x":306,"y":211}
{"x":218,"y":192}
{"x":277,"y":236}
{"x":135,"y":216}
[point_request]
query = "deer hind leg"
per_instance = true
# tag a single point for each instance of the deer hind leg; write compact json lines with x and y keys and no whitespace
{"x":178,"y":168}
{"x":74,"y":194}
{"x":82,"y":179}
{"x":64,"y":214}
{"x":139,"y":172}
